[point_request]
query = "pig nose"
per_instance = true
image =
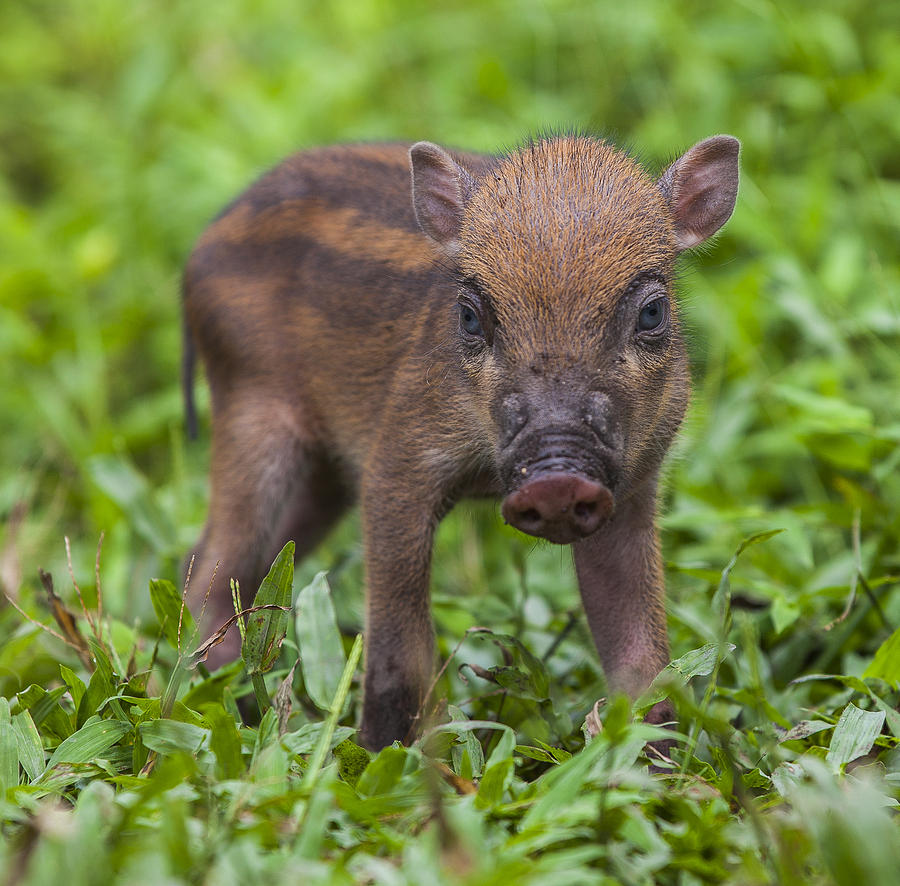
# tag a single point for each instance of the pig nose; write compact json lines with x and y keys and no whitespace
{"x":559,"y":507}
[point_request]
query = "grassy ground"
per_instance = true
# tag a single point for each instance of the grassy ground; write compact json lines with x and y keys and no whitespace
{"x":123,"y":128}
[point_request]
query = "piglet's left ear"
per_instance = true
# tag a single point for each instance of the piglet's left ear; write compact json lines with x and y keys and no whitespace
{"x":438,"y":186}
{"x":701,"y":187}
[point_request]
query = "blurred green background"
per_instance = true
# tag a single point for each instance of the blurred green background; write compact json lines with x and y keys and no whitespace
{"x":125,"y":126}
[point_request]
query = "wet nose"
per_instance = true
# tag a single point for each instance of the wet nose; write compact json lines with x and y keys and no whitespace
{"x":559,"y":507}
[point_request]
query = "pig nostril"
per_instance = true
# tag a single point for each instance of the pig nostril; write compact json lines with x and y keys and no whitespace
{"x":584,"y":510}
{"x":531,"y":516}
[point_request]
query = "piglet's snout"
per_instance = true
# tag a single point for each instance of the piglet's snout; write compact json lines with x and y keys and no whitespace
{"x":560,"y":507}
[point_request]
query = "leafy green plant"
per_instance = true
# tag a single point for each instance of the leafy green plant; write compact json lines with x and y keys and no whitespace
{"x":293,"y":790}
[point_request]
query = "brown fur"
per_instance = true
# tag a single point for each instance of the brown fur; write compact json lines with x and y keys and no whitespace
{"x":339,"y":372}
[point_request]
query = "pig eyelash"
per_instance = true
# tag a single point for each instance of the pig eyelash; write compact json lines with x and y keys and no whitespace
{"x":472,"y":288}
{"x":647,"y":280}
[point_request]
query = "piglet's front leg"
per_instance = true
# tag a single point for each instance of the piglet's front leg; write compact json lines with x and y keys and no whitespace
{"x":620,"y":577}
{"x":398,"y":533}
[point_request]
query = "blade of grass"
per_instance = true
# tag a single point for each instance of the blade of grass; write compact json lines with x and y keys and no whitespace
{"x":9,"y":751}
{"x":337,"y":704}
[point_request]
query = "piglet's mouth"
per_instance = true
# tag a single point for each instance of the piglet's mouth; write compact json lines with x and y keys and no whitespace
{"x":560,"y":507}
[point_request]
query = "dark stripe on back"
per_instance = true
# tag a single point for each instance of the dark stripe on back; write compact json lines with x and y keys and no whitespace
{"x":373,"y":178}
{"x":319,"y":275}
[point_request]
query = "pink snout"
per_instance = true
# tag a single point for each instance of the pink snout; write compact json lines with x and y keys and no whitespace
{"x":559,"y":507}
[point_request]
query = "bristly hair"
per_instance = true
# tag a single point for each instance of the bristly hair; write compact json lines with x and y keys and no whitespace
{"x":606,"y":135}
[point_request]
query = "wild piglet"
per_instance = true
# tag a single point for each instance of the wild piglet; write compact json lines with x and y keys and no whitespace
{"x":408,"y":326}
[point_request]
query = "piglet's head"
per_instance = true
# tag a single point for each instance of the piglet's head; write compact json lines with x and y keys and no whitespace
{"x":568,"y":326}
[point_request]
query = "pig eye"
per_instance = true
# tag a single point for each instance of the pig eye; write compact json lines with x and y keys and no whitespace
{"x":653,"y":316}
{"x":469,"y":322}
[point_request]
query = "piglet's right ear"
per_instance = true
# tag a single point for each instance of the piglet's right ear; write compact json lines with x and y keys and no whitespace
{"x":438,"y":186}
{"x":701,"y":188}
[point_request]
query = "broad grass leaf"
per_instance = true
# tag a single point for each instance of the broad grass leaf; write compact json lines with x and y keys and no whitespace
{"x":101,"y":685}
{"x":305,"y":739}
{"x":270,"y":762}
{"x":151,"y":709}
{"x":266,"y":734}
{"x":560,"y":755}
{"x":230,"y":703}
{"x":266,"y":629}
{"x":167,"y":604}
{"x":90,"y":741}
{"x":538,"y":754}
{"x":178,"y":675}
{"x":322,"y":656}
{"x":527,"y":677}
{"x":517,"y":682}
{"x":45,"y":709}
{"x":139,"y":753}
{"x":652,"y":853}
{"x":28,"y":741}
{"x":224,"y":741}
{"x":891,"y":714}
{"x":75,"y":684}
{"x":784,"y":613}
{"x":498,"y":772}
{"x":854,"y":735}
{"x":558,"y":787}
{"x":804,"y":729}
{"x":504,"y":748}
{"x":316,"y":821}
{"x":9,"y":749}
{"x":212,"y":688}
{"x":886,"y":663}
{"x":96,"y":815}
{"x":411,"y":796}
{"x":461,"y":727}
{"x":171,"y":736}
{"x":493,"y":784}
{"x":461,"y":756}
{"x":786,"y":778}
{"x":269,"y":770}
{"x":383,"y":773}
{"x":468,"y":758}
{"x":696,"y":663}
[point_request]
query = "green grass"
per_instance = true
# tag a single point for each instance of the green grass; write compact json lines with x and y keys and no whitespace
{"x":123,"y":129}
